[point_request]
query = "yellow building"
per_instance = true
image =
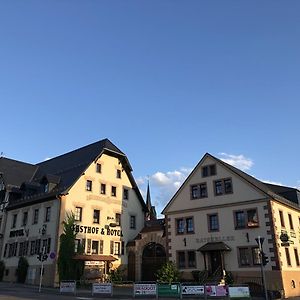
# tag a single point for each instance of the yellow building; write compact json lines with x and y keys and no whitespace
{"x":217,"y":214}
{"x":94,"y":182}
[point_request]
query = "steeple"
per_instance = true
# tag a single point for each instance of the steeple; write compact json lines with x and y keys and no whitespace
{"x":151,"y":215}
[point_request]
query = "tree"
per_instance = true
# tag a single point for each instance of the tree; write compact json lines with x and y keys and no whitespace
{"x":22,"y":269}
{"x":68,"y":268}
{"x":2,"y":269}
{"x":168,"y":273}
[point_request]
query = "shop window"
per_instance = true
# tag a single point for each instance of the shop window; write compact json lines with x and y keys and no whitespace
{"x":95,"y":247}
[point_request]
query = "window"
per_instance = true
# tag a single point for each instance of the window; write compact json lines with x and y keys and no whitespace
{"x":296,"y":257}
{"x":244,"y":257}
{"x":181,"y":259}
{"x":117,"y":248}
{"x":103,"y":189}
{"x":132,"y":222}
{"x":213,"y":222}
{"x":246,"y":218}
{"x":255,"y":256}
{"x":36,"y":216}
{"x":114,"y":191}
{"x":88,"y":186}
{"x":101,"y":247}
{"x":98,"y":168}
{"x":95,"y":247}
{"x":191,"y":259}
{"x":189,"y":225}
{"x":48,"y":213}
{"x":291,"y":222}
{"x":77,"y":245}
{"x":125,"y":194}
{"x":112,"y":247}
{"x":209,"y":170}
{"x":118,"y":173}
{"x":88,"y":247}
{"x":46,"y":188}
{"x":14,"y":221}
{"x":25,"y":218}
{"x":198,"y":191}
{"x":96,"y":218}
{"x":179,"y":226}
{"x":184,"y":225}
{"x":78,"y":214}
{"x":288,"y":258}
{"x":186,"y":259}
{"x":223,"y":186}
{"x":281,"y":218}
{"x":118,"y":219}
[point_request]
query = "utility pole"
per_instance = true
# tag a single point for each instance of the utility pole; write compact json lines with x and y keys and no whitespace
{"x":42,"y":257}
{"x":260,"y":241}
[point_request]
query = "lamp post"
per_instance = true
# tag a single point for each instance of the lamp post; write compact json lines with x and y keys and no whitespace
{"x":260,"y":241}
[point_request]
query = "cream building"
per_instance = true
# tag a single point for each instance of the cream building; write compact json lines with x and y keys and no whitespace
{"x":213,"y":221}
{"x":94,"y":182}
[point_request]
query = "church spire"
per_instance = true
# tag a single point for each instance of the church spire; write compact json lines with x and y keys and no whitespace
{"x":151,"y":215}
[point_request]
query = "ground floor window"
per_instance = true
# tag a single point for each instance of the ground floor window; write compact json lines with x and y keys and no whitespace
{"x":248,"y":256}
{"x":186,"y":259}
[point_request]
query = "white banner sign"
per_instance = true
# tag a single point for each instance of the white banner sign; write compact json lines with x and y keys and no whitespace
{"x":102,"y":288}
{"x":67,"y":286}
{"x":192,"y":290}
{"x":145,"y":288}
{"x":239,"y":292}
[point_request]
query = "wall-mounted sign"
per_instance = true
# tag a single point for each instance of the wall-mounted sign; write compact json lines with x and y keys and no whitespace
{"x":97,"y":230}
{"x":19,"y":232}
{"x":284,"y":237}
{"x":212,"y":239}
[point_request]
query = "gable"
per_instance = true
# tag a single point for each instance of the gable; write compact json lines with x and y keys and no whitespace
{"x":241,"y":189}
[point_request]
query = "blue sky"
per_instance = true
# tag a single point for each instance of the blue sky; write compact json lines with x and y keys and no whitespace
{"x":166,"y":81}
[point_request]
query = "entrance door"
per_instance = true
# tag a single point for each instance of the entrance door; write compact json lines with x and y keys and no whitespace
{"x":131,"y":266}
{"x":215,"y":261}
{"x":154,"y":256}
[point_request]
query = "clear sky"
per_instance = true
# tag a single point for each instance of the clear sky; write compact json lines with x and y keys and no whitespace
{"x":166,"y":81}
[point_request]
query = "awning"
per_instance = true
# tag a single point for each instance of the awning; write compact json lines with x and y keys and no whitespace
{"x":94,"y":257}
{"x":216,"y":246}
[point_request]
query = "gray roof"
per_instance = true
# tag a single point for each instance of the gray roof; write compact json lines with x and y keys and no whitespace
{"x":66,"y":169}
{"x":16,"y":172}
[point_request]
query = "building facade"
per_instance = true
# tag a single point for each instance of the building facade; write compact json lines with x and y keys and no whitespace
{"x":95,"y":183}
{"x":214,"y":219}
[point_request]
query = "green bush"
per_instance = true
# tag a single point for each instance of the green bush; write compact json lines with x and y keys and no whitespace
{"x":116,"y":275}
{"x":168,"y":273}
{"x":22,"y":269}
{"x":2,"y":269}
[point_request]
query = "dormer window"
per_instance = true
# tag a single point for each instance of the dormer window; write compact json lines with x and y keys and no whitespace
{"x":46,"y":187}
